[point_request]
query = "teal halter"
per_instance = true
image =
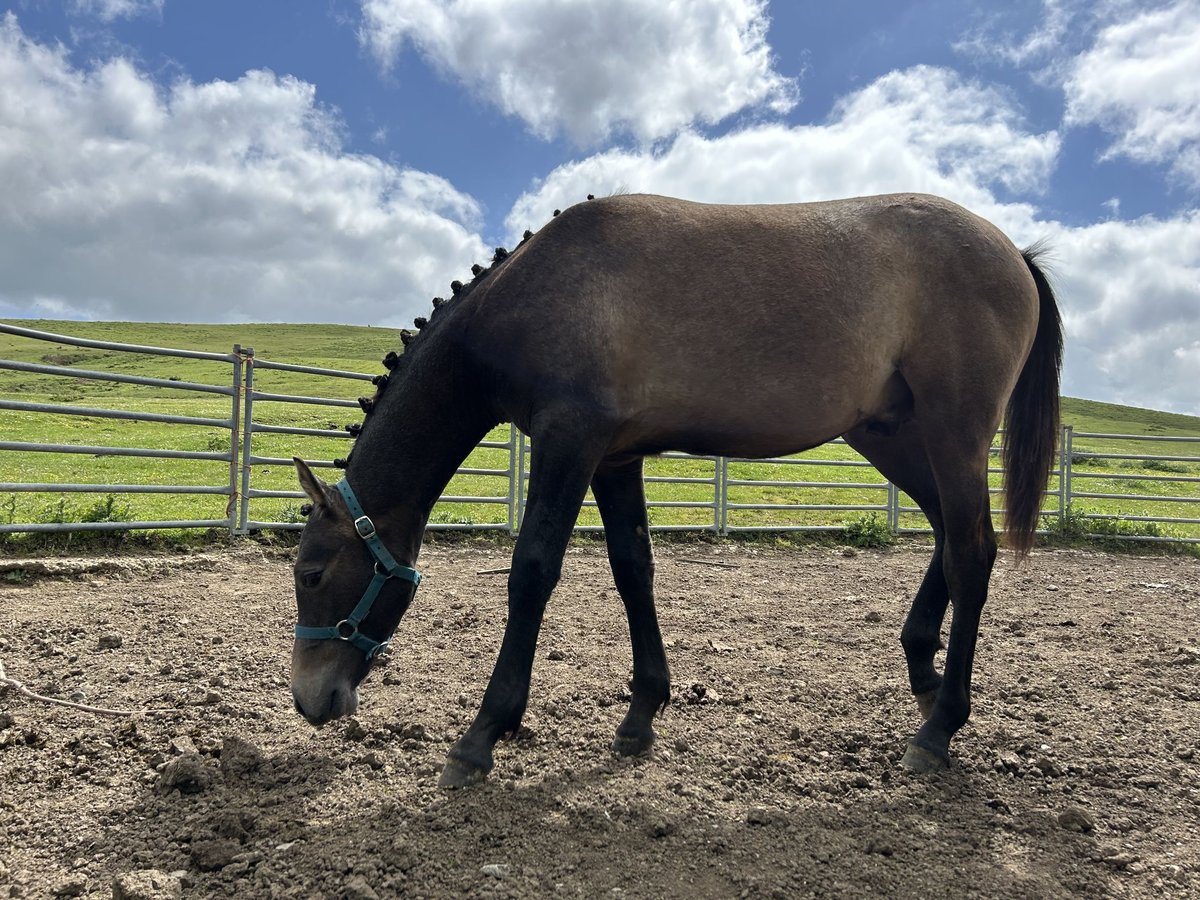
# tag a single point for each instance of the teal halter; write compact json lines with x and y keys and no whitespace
{"x":386,"y":568}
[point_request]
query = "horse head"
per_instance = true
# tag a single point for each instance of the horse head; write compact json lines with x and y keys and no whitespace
{"x":350,"y":595}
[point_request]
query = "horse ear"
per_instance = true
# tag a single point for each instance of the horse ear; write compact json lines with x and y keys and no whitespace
{"x":313,"y":486}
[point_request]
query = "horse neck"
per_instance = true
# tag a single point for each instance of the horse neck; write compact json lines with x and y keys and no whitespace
{"x":425,"y":423}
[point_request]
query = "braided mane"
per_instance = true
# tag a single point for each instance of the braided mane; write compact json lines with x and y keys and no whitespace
{"x":395,"y":362}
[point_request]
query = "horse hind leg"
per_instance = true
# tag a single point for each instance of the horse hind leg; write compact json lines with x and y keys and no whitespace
{"x":899,"y":454}
{"x":620,"y":496}
{"x":968,"y":554}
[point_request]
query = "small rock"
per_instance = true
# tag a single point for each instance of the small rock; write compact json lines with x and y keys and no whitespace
{"x":1118,"y":859}
{"x":661,"y":828}
{"x":1075,"y":818}
{"x":210,"y":855}
{"x":1048,"y":767}
{"x":681,"y":745}
{"x":70,"y":886}
{"x":849,"y":553}
{"x":358,"y":888}
{"x":6,"y":720}
{"x":189,"y":774}
{"x":181,"y":743}
{"x":1008,"y":762}
{"x":239,"y":757}
{"x":110,"y":641}
{"x":758,"y":815}
{"x":147,"y":884}
{"x":873,"y":616}
{"x":496,"y":870}
{"x":861,"y":781}
{"x":355,"y":731}
{"x":556,"y":655}
{"x":372,"y":759}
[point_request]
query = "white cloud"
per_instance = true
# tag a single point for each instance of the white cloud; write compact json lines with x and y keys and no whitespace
{"x":110,"y":10}
{"x":992,"y":41}
{"x":1141,"y":81}
{"x":923,"y":129}
{"x":1131,"y":299}
{"x":589,"y":68}
{"x":224,"y":201}
{"x":1130,"y":290}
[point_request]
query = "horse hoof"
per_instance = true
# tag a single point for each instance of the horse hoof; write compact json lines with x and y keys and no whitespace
{"x":925,"y":702}
{"x":921,"y":761}
{"x":628,"y":745}
{"x":458,"y":774}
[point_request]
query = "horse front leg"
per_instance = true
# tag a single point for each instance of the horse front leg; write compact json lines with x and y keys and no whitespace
{"x":620,"y":495}
{"x":559,"y":479}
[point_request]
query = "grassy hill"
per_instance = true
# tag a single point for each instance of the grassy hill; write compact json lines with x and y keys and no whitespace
{"x":360,"y":349}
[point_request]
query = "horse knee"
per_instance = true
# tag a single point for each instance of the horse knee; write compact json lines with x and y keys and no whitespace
{"x":533,"y":576}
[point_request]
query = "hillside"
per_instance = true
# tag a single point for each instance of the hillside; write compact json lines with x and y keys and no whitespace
{"x":359,"y":348}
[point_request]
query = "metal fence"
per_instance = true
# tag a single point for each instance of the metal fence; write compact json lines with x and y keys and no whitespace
{"x":724,"y":495}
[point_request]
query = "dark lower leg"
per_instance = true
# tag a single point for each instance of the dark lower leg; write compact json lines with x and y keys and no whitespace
{"x":557,"y":487}
{"x":921,"y":637}
{"x":968,"y":566}
{"x":621,"y":499}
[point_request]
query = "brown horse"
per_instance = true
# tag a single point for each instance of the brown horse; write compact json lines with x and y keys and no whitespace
{"x":632,"y":325}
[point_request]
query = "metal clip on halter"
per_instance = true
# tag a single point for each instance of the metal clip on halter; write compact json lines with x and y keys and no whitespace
{"x":386,"y":568}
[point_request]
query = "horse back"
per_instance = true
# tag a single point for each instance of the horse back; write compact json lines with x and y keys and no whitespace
{"x":750,"y":329}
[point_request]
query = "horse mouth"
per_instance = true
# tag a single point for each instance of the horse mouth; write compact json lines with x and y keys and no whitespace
{"x":323,"y":708}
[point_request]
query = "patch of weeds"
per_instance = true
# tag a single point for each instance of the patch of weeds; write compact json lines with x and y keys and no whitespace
{"x":1113,"y":533}
{"x":107,"y":510}
{"x":869,"y":533}
{"x":63,"y":359}
{"x":290,"y":514}
{"x":1162,"y":465}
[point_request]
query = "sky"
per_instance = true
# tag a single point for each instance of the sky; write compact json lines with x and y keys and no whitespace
{"x":343,"y":161}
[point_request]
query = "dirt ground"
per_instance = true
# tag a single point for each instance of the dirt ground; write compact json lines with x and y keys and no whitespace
{"x":775,"y":773}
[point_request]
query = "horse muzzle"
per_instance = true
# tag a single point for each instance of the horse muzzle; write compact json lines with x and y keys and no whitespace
{"x":320,"y":703}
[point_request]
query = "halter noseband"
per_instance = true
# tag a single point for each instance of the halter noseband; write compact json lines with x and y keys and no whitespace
{"x":386,"y":568}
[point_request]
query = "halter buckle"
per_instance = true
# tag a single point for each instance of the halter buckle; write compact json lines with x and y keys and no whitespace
{"x":365,"y":527}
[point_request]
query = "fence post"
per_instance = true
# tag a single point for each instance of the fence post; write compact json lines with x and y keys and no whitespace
{"x":513,"y":462}
{"x":893,"y":501}
{"x":522,"y":450}
{"x":723,"y":494}
{"x":235,"y":442}
{"x":1066,"y":451}
{"x":247,"y":438}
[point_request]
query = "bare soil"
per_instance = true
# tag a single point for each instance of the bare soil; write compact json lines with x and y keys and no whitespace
{"x":775,"y":773}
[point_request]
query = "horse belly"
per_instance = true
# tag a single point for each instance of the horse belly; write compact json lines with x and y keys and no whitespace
{"x":770,"y":416}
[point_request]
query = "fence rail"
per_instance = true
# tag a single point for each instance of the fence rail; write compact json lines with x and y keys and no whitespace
{"x":727,"y":495}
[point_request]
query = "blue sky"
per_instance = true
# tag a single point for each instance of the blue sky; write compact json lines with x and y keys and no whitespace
{"x":344,"y":160}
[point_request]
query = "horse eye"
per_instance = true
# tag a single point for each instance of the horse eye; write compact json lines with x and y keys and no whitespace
{"x":311,"y":579}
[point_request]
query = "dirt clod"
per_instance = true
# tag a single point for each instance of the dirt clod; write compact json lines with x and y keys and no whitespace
{"x":147,"y":884}
{"x":239,"y":757}
{"x":188,"y":774}
{"x":1075,"y":818}
{"x":212,"y":854}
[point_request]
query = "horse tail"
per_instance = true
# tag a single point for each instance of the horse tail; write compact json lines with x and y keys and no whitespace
{"x":1032,"y":418}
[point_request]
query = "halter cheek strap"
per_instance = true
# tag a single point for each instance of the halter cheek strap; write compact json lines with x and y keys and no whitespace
{"x":386,"y":568}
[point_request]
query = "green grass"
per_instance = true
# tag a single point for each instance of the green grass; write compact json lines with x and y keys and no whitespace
{"x":360,"y":349}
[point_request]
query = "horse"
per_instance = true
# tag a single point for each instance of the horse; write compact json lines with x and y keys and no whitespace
{"x":632,"y":325}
